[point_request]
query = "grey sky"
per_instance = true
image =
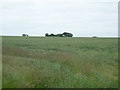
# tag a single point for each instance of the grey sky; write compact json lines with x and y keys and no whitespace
{"x":82,"y":18}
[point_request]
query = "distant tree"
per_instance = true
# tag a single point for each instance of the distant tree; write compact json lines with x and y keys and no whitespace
{"x":55,"y":35}
{"x":66,"y":34}
{"x":46,"y":34}
{"x":94,"y":36}
{"x":70,"y":35}
{"x":60,"y":35}
{"x":24,"y":35}
{"x":51,"y":35}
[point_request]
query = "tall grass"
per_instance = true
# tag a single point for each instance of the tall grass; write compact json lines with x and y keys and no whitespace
{"x":37,"y":62}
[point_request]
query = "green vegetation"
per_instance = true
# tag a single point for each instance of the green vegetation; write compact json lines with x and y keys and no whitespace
{"x":59,"y":62}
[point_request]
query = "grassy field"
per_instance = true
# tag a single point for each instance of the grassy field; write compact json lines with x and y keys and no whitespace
{"x":59,"y":62}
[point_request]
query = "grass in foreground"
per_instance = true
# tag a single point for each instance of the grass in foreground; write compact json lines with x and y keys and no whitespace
{"x":48,"y":62}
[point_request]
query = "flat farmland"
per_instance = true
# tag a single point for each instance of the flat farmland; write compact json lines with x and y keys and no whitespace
{"x":59,"y":62}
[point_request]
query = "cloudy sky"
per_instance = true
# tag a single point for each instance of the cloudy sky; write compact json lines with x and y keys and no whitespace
{"x":80,"y":17}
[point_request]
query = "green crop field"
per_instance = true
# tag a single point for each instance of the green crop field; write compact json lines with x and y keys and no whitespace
{"x":59,"y":62}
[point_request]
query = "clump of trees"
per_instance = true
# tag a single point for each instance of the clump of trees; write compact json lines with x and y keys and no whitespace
{"x":65,"y":34}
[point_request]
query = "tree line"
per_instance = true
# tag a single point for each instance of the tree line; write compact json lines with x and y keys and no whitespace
{"x":65,"y":34}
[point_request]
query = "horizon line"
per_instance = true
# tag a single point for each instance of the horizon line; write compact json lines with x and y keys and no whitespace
{"x":45,"y":36}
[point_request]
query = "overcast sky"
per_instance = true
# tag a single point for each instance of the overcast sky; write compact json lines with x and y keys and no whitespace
{"x":80,"y":17}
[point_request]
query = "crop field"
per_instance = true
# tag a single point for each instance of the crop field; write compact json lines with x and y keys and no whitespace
{"x":59,"y":62}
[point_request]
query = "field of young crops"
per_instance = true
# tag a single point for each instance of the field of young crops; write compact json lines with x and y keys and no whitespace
{"x":59,"y":62}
